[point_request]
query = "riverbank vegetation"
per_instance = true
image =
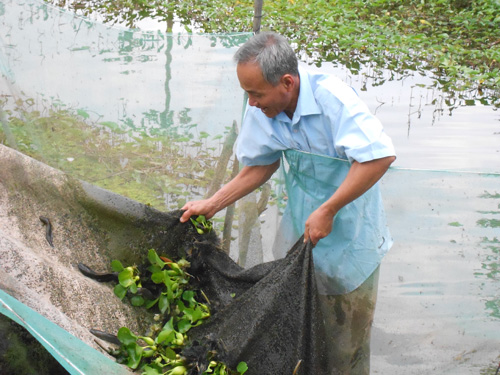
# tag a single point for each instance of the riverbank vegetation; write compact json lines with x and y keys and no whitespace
{"x":455,"y":42}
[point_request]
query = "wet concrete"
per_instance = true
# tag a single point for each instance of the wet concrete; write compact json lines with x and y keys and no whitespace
{"x":91,"y":226}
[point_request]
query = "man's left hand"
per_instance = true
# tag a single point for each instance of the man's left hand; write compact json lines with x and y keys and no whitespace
{"x":318,"y":225}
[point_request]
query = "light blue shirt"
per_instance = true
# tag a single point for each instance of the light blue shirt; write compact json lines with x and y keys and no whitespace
{"x":330,"y":128}
{"x":330,"y":119}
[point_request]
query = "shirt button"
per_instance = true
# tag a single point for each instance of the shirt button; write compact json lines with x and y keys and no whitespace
{"x":295,"y":130}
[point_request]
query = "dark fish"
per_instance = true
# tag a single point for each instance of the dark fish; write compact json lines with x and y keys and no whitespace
{"x":102,"y":277}
{"x":48,"y":229}
{"x":146,"y":293}
{"x":106,"y":336}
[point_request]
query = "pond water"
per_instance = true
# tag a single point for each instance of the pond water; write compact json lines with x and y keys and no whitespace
{"x":439,"y":306}
{"x":426,"y":132}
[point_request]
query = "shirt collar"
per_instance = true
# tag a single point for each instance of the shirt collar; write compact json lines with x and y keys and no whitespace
{"x":306,"y":104}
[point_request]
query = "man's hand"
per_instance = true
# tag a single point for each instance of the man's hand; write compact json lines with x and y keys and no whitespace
{"x":247,"y":180}
{"x":204,"y":207}
{"x":318,"y":225}
{"x":360,"y":178}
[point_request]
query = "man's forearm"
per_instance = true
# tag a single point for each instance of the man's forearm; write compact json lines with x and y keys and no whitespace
{"x":244,"y":183}
{"x":360,"y":178}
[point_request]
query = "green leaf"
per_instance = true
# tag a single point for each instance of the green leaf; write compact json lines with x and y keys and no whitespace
{"x":165,"y":337}
{"x":150,"y":304}
{"x":163,"y":303}
{"x":82,"y":113}
{"x":242,"y":368}
{"x":154,"y":268}
{"x":126,"y":277}
{"x":184,"y":325}
{"x":158,"y":277}
{"x":133,"y":288}
{"x":135,"y":354}
{"x":116,"y":266}
{"x":150,"y":371}
{"x":155,"y":259}
{"x":193,"y":314}
{"x":126,"y":337}
{"x":137,"y":301}
{"x":120,"y":291}
{"x":170,"y":354}
{"x":167,"y":333}
{"x":188,"y":296}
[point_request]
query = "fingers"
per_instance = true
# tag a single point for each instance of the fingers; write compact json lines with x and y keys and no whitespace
{"x":309,"y":240}
{"x":317,"y":226}
{"x":308,"y":236}
{"x":187,"y":213}
{"x":196,"y":208}
{"x":313,"y":235}
{"x":185,"y":216}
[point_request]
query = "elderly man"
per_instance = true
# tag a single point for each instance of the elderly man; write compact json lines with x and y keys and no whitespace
{"x":335,"y":151}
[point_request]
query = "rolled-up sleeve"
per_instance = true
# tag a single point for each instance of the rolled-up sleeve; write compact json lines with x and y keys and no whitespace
{"x":361,"y":137}
{"x":357,"y":134}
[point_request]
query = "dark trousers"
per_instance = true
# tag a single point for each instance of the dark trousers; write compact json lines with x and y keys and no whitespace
{"x":348,"y":322}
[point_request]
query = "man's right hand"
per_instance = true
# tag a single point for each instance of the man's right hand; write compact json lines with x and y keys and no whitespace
{"x":247,"y":180}
{"x":203,"y":207}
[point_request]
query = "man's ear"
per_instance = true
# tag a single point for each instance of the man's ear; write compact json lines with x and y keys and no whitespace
{"x":288,"y":81}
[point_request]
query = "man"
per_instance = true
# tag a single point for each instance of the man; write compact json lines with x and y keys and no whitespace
{"x":312,"y":121}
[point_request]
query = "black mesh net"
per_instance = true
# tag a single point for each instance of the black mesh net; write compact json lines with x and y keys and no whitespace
{"x":267,"y":316}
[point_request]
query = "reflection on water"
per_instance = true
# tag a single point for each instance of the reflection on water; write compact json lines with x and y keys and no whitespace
{"x":122,"y":76}
{"x":146,"y":115}
{"x":21,"y":353}
{"x":490,"y":264}
{"x":427,"y":132}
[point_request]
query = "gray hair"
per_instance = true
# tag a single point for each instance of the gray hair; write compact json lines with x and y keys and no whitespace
{"x":273,"y":54}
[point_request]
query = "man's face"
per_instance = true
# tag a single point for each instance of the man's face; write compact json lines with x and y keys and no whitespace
{"x":271,"y":100}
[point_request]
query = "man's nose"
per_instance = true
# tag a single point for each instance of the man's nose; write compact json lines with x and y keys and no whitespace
{"x":252,"y":102}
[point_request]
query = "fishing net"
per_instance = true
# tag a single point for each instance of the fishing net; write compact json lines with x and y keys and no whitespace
{"x":267,"y":316}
